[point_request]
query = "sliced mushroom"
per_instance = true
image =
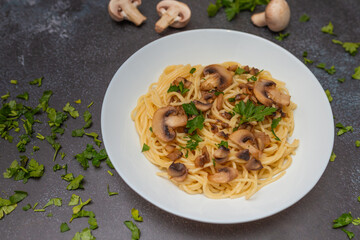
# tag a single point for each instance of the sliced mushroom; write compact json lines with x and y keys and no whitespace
{"x":173,"y":13}
{"x":253,"y":164}
{"x":226,"y":115}
{"x":216,"y":77}
{"x":221,"y":155}
{"x":214,"y":128}
{"x":224,"y":175}
{"x":203,"y":158}
{"x":170,"y":148}
{"x":220,"y":101}
{"x":175,"y":155}
{"x":262,"y":139}
{"x":126,"y":9}
{"x":276,"y":16}
{"x":165,"y":120}
{"x":186,"y":82}
{"x":267,"y":93}
{"x":243,"y":154}
{"x":177,"y":171}
{"x":208,"y":96}
{"x":202,"y":106}
{"x":232,"y":67}
{"x":222,"y":135}
{"x":245,"y":139}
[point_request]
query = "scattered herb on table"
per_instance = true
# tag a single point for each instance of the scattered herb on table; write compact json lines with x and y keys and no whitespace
{"x":76,"y":183}
{"x":71,"y":110}
{"x":26,"y":207}
{"x":9,"y":205}
{"x":111,"y":193}
{"x":74,"y":200}
{"x":304,"y":18}
{"x":328,"y":94}
{"x":19,"y":172}
{"x":332,"y":157}
{"x":36,"y":81}
{"x":356,"y":75}
{"x":53,"y":201}
{"x":135,"y":215}
{"x":341,"y":80}
{"x":349,"y":47}
{"x":330,"y":70}
{"x":135,"y":231}
{"x":350,"y":235}
{"x":91,"y":154}
{"x":343,"y":129}
{"x":24,"y":96}
{"x":64,"y":227}
{"x":15,"y":82}
{"x":282,"y":36}
{"x":91,"y":215}
{"x":78,"y":208}
{"x":306,"y":60}
{"x":78,"y":101}
{"x":344,"y":220}
{"x":84,"y":234}
{"x":328,"y":29}
{"x":357,"y":143}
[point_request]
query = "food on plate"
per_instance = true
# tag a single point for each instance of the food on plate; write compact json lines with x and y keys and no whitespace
{"x":172,"y":13}
{"x":221,"y":130}
{"x":120,"y":10}
{"x":276,"y":16}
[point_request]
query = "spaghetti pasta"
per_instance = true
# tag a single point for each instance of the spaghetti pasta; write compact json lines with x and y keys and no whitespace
{"x":197,"y":122}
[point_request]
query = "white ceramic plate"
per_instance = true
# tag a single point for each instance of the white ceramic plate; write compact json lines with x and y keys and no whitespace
{"x":313,"y":123}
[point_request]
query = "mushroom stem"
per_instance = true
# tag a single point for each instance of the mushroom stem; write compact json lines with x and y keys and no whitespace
{"x":258,"y":19}
{"x":164,"y":22}
{"x":125,"y":9}
{"x":133,"y":14}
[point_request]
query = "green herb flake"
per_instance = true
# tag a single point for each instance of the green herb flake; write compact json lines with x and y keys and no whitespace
{"x":78,"y":132}
{"x":341,"y":80}
{"x":231,"y":99}
{"x":328,"y":94}
{"x":78,"y":208}
{"x":214,"y":162}
{"x":150,"y":128}
{"x":26,"y":207}
{"x":356,"y":221}
{"x":111,"y":193}
{"x":239,"y":71}
{"x":356,"y":75}
{"x":71,"y":110}
{"x":110,"y":173}
{"x":328,"y":29}
{"x":44,"y":100}
{"x":145,"y":148}
{"x":88,"y":119}
{"x":9,"y":205}
{"x":349,"y":47}
{"x":91,"y":154}
{"x":350,"y":235}
{"x":190,"y":109}
{"x":332,"y":157}
{"x":135,"y":215}
{"x":14,"y":82}
{"x":63,"y":155}
{"x":304,"y":18}
{"x":92,"y":220}
{"x":223,"y":143}
{"x":178,"y":88}
{"x":343,"y":129}
{"x":274,"y":124}
{"x":217,"y":93}
{"x":193,"y":141}
{"x":53,"y":201}
{"x":37,"y":81}
{"x":95,"y":138}
{"x":135,"y":231}
{"x":64,"y":227}
{"x":109,"y":163}
{"x":282,"y":36}
{"x":195,"y":123}
{"x":18,"y":172}
{"x":357,"y":143}
{"x":78,"y":101}
{"x":74,"y":200}
{"x":90,"y":104}
{"x":75,"y":183}
{"x":250,"y":112}
{"x":306,"y":60}
{"x":252,"y":78}
{"x":39,"y":136}
{"x":6,"y":96}
{"x":36,"y":148}
{"x":49,"y":215}
{"x":192,"y":70}
{"x":24,"y":96}
{"x":85,"y":234}
{"x":344,"y":220}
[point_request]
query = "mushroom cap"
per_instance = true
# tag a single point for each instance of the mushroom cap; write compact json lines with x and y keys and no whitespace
{"x":178,"y":10}
{"x":202,"y":106}
{"x":266,"y":92}
{"x":218,"y":77}
{"x":175,"y":155}
{"x":277,"y":15}
{"x":245,"y":139}
{"x":221,"y":154}
{"x":253,"y":165}
{"x":164,"y":121}
{"x":243,"y":154}
{"x":126,"y":9}
{"x":203,"y":158}
{"x":224,"y":175}
{"x":177,"y":171}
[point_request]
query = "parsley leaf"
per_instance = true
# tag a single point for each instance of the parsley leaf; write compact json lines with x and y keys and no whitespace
{"x":75,"y":183}
{"x":349,"y":234}
{"x":343,"y":129}
{"x":349,"y":47}
{"x":223,"y":143}
{"x":37,"y":81}
{"x":14,"y":82}
{"x":357,"y":143}
{"x":6,"y":96}
{"x":356,"y":221}
{"x":44,"y":100}
{"x":328,"y":94}
{"x":85,"y":234}
{"x":26,"y":207}
{"x":274,"y":124}
{"x":250,"y":112}
{"x":91,"y":154}
{"x":71,"y":110}
{"x":330,"y":70}
{"x":135,"y":231}
{"x":281,"y":36}
{"x":306,"y":60}
{"x":78,"y":132}
{"x":64,"y":227}
{"x":145,"y":148}
{"x":88,"y":119}
{"x":341,"y":80}
{"x":344,"y":220}
{"x":111,"y":193}
{"x":356,"y":75}
{"x":9,"y":205}
{"x":24,"y":96}
{"x":135,"y":215}
{"x":304,"y":18}
{"x":53,"y":201}
{"x":193,"y":141}
{"x":328,"y":29}
{"x":195,"y":123}
{"x":190,"y":109}
{"x":178,"y":88}
{"x":74,"y":200}
{"x":18,"y":172}
{"x":78,"y":208}
{"x":95,"y":137}
{"x":192,"y":70}
{"x":252,"y":78}
{"x":239,"y":71}
{"x":332,"y":157}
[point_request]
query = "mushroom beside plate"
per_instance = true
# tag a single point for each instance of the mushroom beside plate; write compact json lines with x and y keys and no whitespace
{"x":313,"y":123}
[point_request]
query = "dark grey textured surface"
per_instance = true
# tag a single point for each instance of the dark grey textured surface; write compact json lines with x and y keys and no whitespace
{"x":78,"y":48}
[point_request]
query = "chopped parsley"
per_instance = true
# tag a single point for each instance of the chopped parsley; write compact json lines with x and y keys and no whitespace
{"x":274,"y":124}
{"x":332,"y":157}
{"x":192,"y":70}
{"x":328,"y":94}
{"x":64,"y":227}
{"x":190,"y":109}
{"x":214,"y":162}
{"x":330,"y":70}
{"x":231,"y":99}
{"x":357,"y":143}
{"x":110,"y":173}
{"x":282,"y":36}
{"x":14,"y":82}
{"x":9,"y":205}
{"x":350,"y":235}
{"x":78,"y":208}
{"x":135,"y":231}
{"x":91,"y":215}
{"x":90,"y":104}
{"x":78,"y":101}
{"x":75,"y":183}
{"x":344,"y":220}
{"x":356,"y":221}
{"x":145,"y":148}
{"x":71,"y":110}
{"x":135,"y":215}
{"x":26,"y":207}
{"x":19,"y":172}
{"x":304,"y":18}
{"x":150,"y":128}
{"x":328,"y":29}
{"x":178,"y":88}
{"x":341,"y":80}
{"x":36,"y":81}
{"x":356,"y":75}
{"x":232,"y":8}
{"x":74,"y":200}
{"x":44,"y":100}
{"x":53,"y":201}
{"x":349,"y":47}
{"x":111,"y":193}
{"x":343,"y":129}
{"x":252,"y":78}
{"x":239,"y":71}
{"x":223,"y":143}
{"x":250,"y":112}
{"x":56,"y":146}
{"x":91,"y":154}
{"x":6,"y":96}
{"x":95,"y":138}
{"x":306,"y":60}
{"x":217,"y":93}
{"x":24,"y":96}
{"x":84,"y":234}
{"x":195,"y":123}
{"x":193,"y":141}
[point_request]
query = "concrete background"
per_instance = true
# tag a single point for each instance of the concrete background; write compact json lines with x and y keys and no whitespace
{"x":77,"y":48}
